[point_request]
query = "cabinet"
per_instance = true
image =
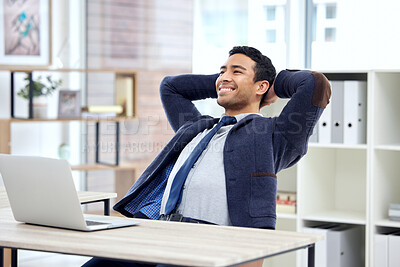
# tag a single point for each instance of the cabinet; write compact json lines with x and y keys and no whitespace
{"x":350,"y":184}
{"x":85,"y":135}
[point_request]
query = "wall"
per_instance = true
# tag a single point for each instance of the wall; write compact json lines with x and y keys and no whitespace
{"x":155,"y":38}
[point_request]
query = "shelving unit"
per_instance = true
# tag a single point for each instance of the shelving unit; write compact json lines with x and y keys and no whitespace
{"x":350,"y":184}
{"x":88,"y":81}
{"x":384,"y":152}
{"x":97,"y":87}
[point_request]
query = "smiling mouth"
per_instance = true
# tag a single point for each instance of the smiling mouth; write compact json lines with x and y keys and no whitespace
{"x":225,"y":89}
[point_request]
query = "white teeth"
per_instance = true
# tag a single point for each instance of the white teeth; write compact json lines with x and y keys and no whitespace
{"x":225,"y":89}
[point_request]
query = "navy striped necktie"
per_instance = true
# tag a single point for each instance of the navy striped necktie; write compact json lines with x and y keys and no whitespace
{"x":180,"y":177}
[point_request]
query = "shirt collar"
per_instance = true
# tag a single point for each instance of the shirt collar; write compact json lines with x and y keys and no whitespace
{"x":243,"y":115}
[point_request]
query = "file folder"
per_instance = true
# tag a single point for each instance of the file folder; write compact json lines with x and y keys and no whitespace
{"x":324,"y":126}
{"x":321,"y":259}
{"x":381,"y":244}
{"x":381,"y":248}
{"x":345,"y":246}
{"x":337,"y":112}
{"x":355,"y":112}
{"x":394,"y":250}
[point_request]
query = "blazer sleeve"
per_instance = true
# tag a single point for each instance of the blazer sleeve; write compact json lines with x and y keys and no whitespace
{"x":309,"y":94}
{"x":178,"y":92}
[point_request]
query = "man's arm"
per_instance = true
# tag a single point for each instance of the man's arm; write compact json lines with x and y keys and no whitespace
{"x":178,"y":92}
{"x":310,"y":93}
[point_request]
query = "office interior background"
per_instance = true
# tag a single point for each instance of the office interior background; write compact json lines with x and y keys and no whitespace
{"x":156,"y":38}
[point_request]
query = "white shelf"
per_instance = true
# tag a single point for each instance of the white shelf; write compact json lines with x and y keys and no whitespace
{"x":340,"y":146}
{"x":388,"y":147}
{"x":388,"y":223}
{"x":102,"y":167}
{"x":336,"y":216}
{"x":286,"y":216}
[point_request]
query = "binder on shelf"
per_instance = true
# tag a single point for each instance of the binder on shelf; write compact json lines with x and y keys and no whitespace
{"x":394,"y":250}
{"x":337,"y":112}
{"x":345,"y":246}
{"x":355,"y":112}
{"x":324,"y":126}
{"x":321,"y":259}
{"x":381,"y":249}
{"x":381,"y":244}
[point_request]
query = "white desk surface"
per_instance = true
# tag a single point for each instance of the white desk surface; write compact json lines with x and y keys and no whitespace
{"x":184,"y":244}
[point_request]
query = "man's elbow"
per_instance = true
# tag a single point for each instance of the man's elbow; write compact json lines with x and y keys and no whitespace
{"x":322,"y":90}
{"x":165,"y":84}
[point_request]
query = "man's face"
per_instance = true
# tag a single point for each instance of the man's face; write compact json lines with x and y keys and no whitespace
{"x":235,"y":85}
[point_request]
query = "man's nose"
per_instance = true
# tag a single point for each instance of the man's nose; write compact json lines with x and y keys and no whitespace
{"x":226,"y":76}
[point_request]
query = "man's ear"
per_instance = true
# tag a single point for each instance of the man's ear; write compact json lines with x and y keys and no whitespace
{"x":262,"y":87}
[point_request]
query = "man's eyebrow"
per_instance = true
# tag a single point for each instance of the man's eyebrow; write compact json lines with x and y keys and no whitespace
{"x":239,"y":66}
{"x":234,"y":67}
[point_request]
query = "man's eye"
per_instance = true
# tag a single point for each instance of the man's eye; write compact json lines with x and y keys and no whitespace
{"x":237,"y":71}
{"x":221,"y":72}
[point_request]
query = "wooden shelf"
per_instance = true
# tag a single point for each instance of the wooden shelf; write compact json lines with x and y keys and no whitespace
{"x":102,"y":167}
{"x":83,"y":70}
{"x":87,"y":196}
{"x":91,"y":119}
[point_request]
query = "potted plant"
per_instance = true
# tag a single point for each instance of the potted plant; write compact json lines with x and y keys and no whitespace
{"x":41,"y":89}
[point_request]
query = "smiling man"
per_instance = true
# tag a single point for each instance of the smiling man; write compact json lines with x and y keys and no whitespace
{"x":238,"y":89}
{"x":243,"y":81}
{"x":224,"y":170}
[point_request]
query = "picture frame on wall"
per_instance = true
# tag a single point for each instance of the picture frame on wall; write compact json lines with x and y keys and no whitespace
{"x":25,"y":33}
{"x":69,"y":104}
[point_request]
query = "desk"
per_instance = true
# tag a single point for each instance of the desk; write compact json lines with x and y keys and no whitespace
{"x":85,"y":197}
{"x":182,"y":244}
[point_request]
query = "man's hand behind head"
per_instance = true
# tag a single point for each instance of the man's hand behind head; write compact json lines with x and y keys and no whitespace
{"x":270,"y":98}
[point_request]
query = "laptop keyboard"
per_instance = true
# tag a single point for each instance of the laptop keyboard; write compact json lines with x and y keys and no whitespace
{"x":90,"y":223}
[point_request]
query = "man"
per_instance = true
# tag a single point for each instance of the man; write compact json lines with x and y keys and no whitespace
{"x":233,"y":180}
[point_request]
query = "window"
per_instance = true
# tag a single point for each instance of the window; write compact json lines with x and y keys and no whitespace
{"x":330,"y":34}
{"x":331,"y":11}
{"x":271,"y":36}
{"x":267,"y":29}
{"x":218,"y":26}
{"x":270,"y":13}
{"x":324,"y":22}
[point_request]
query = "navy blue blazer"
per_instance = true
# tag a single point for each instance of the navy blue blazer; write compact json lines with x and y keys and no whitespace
{"x":256,"y":148}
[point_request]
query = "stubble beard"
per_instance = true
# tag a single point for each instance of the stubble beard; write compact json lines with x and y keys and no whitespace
{"x":230,"y":104}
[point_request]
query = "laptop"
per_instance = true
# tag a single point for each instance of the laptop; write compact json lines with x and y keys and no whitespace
{"x":41,"y":191}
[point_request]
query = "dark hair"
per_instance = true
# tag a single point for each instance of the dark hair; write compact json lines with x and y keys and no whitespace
{"x":264,"y":70}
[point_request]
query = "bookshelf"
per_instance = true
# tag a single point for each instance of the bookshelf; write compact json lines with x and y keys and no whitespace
{"x":97,"y":87}
{"x":350,"y":184}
